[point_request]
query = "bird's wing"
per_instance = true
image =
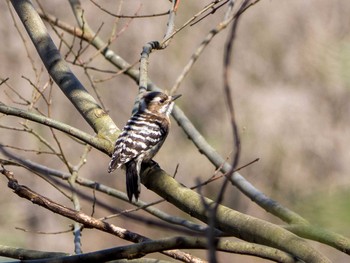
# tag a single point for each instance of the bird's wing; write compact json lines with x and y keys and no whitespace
{"x":138,"y":137}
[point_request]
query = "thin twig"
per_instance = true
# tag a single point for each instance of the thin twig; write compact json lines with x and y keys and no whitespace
{"x":127,"y":16}
{"x":170,"y":25}
{"x":193,"y":18}
{"x":2,"y":81}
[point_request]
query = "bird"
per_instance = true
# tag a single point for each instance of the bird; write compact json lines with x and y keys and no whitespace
{"x":142,"y":137}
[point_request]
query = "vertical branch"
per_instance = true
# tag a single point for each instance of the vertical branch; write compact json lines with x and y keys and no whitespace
{"x":227,"y":88}
{"x":170,"y":25}
{"x":143,"y":79}
{"x":236,"y":137}
{"x":146,"y":51}
{"x":75,"y":199}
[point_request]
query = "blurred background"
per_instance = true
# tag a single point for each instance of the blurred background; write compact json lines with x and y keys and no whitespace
{"x":290,"y":83}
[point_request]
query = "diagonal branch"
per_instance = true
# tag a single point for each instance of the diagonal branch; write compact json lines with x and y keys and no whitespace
{"x":229,"y":221}
{"x":321,"y":235}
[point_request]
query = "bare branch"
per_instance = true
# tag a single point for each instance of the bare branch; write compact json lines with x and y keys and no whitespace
{"x":127,"y":16}
{"x":193,"y":18}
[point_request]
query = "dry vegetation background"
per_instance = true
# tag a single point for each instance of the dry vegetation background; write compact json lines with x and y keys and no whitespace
{"x":290,"y":79}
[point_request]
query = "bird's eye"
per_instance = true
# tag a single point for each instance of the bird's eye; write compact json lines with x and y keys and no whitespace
{"x":161,"y":101}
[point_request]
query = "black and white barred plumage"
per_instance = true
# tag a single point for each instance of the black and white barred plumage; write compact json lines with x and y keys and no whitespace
{"x":142,"y":137}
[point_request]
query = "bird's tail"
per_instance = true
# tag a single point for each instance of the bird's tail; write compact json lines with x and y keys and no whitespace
{"x":133,"y":186}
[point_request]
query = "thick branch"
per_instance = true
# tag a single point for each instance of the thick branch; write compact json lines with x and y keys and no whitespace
{"x":19,"y":253}
{"x":321,"y":235}
{"x":229,"y":221}
{"x":141,"y":249}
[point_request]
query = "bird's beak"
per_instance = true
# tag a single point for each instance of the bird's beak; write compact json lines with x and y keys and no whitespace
{"x":175,"y":97}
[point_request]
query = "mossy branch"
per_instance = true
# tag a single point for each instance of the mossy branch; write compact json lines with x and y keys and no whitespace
{"x":229,"y":221}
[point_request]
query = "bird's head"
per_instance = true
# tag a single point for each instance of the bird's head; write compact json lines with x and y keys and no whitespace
{"x":158,"y":103}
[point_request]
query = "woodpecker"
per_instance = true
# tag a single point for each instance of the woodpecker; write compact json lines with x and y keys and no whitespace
{"x":142,"y":137}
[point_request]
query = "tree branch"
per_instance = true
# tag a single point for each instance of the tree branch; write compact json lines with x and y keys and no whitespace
{"x":229,"y":221}
{"x":321,"y":235}
{"x":144,"y":248}
{"x":25,"y":254}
